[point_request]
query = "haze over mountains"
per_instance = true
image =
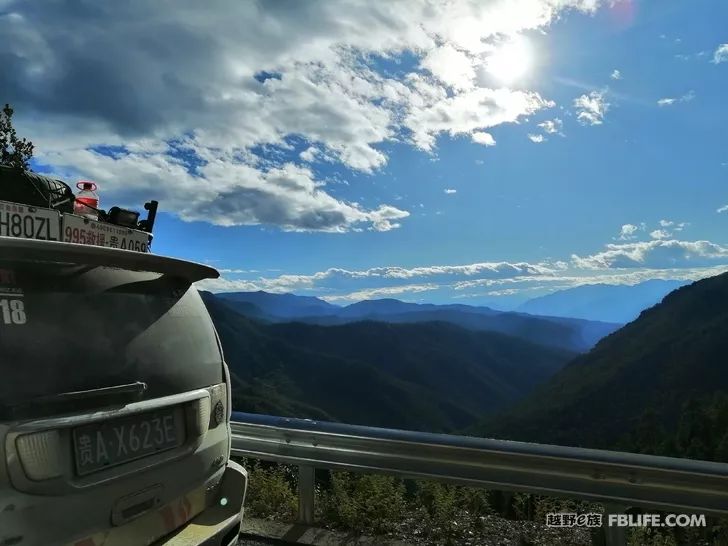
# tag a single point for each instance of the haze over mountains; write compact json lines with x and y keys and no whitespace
{"x":564,"y":333}
{"x":282,"y":306}
{"x":602,"y":302}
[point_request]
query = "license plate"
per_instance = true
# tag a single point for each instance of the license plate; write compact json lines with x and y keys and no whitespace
{"x":115,"y":442}
{"x":80,"y":230}
{"x":26,"y":222}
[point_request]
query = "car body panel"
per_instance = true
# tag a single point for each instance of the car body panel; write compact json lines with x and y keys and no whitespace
{"x":185,"y":520}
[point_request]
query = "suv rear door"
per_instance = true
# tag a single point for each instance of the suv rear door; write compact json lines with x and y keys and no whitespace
{"x":113,"y":400}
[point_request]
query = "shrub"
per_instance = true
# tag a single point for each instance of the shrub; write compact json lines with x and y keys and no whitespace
{"x":364,"y":503}
{"x":271,"y":492}
{"x":647,"y":536}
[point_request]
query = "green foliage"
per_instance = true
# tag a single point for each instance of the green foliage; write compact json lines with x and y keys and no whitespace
{"x":364,"y":502}
{"x":523,"y":506}
{"x":701,"y":431}
{"x":441,"y":509}
{"x":547,"y":505}
{"x":14,"y":152}
{"x":449,"y":513}
{"x":431,"y":512}
{"x":378,"y":505}
{"x":271,"y":491}
{"x":649,"y":536}
{"x":658,"y":385}
{"x":719,"y":532}
{"x":425,"y":511}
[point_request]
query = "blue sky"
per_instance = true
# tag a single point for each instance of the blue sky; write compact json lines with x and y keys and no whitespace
{"x":486,"y":153}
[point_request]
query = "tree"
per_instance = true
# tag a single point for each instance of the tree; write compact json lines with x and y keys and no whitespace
{"x":14,"y":152}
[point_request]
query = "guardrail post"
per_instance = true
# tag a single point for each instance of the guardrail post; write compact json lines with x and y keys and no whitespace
{"x":614,"y":535}
{"x":306,"y":484}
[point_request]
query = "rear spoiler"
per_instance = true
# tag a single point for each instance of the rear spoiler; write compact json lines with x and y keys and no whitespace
{"x":33,"y":250}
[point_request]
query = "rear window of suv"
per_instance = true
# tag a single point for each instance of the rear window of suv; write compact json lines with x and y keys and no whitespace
{"x":66,"y":328}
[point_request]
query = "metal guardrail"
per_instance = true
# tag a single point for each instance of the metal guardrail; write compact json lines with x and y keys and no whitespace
{"x":619,"y":480}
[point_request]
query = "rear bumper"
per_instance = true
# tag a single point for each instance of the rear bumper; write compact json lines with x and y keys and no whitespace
{"x":219,"y":524}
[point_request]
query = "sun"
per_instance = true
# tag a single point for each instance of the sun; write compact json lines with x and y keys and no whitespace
{"x":511,"y":61}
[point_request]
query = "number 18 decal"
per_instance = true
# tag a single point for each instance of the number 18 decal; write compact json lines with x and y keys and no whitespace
{"x":13,"y":311}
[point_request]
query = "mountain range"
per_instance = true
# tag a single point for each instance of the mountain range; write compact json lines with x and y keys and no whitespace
{"x":658,"y":385}
{"x":564,"y":333}
{"x":278,"y":306}
{"x":423,"y":376}
{"x":602,"y":302}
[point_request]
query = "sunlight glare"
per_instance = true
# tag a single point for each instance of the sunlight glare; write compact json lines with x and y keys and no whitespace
{"x":511,"y":61}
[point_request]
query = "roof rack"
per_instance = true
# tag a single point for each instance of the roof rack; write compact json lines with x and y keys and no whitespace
{"x":35,"y":206}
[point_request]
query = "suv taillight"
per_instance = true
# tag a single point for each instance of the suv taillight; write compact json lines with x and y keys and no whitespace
{"x":218,"y":403}
{"x":201,"y":416}
{"x":40,"y":454}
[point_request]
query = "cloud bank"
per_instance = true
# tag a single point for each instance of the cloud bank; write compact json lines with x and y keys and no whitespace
{"x":228,"y":126}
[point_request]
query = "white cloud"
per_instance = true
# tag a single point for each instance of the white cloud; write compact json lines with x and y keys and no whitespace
{"x":591,"y":108}
{"x":222,"y":284}
{"x":452,"y":67}
{"x":551,"y":126}
{"x":238,"y":271}
{"x":536,"y":138}
{"x":721,"y":54}
{"x":300,"y":73}
{"x":384,"y":218}
{"x":469,"y":112}
{"x":481,"y":137}
{"x":724,"y":208}
{"x":628,"y":232}
{"x":227,"y":193}
{"x":616,"y":75}
{"x":393,"y":276}
{"x":506,"y":292}
{"x":309,"y":154}
{"x":452,"y":282}
{"x":673,"y":227}
{"x":691,"y":56}
{"x":489,"y":269}
{"x":666,"y":230}
{"x":604,"y":276}
{"x":450,"y":191}
{"x":668,"y":101}
{"x":655,"y":254}
{"x":374,"y":293}
{"x":336,"y":284}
